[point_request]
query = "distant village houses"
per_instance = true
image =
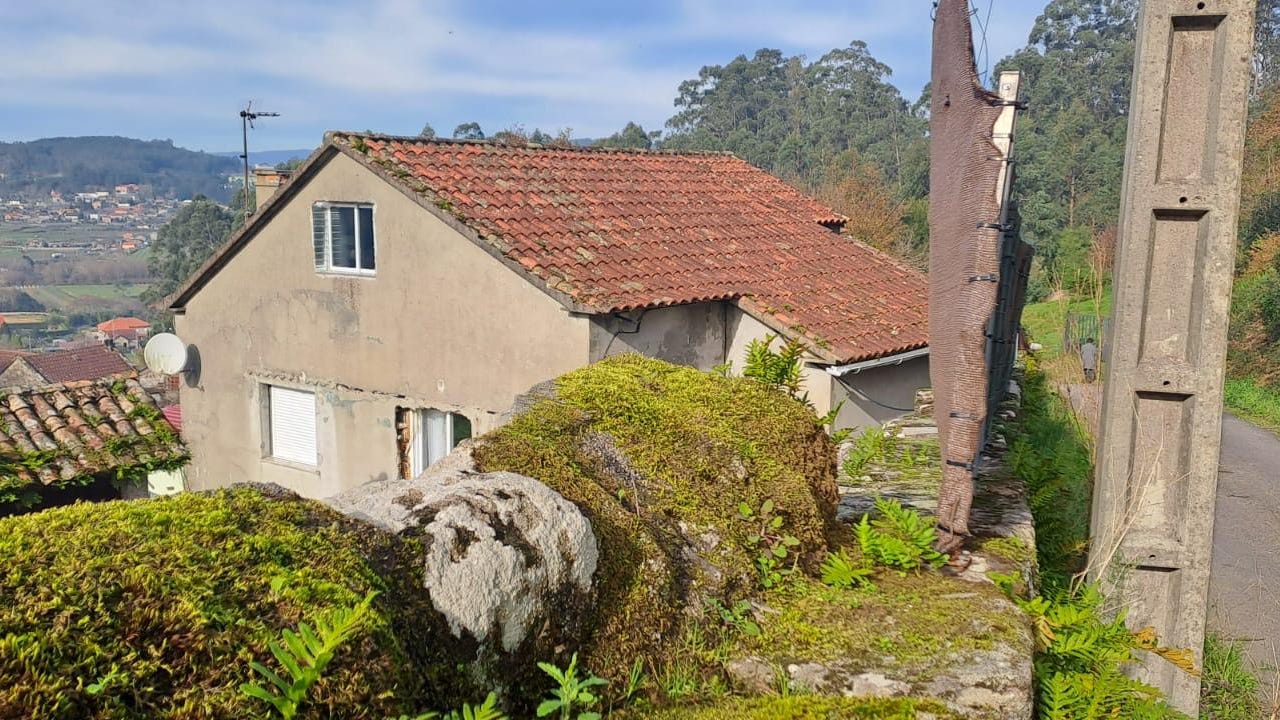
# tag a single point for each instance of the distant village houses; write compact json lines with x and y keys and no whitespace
{"x":123,"y":332}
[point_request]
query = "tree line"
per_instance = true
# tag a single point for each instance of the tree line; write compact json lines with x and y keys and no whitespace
{"x":77,"y":164}
{"x":838,"y":128}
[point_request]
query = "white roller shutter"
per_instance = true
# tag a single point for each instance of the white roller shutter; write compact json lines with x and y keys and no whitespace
{"x":293,"y":425}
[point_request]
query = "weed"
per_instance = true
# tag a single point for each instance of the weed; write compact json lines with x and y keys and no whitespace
{"x":488,"y":710}
{"x":737,"y":617}
{"x":636,"y":681}
{"x":1229,"y":689}
{"x":769,"y":542}
{"x":679,"y":680}
{"x":574,"y":693}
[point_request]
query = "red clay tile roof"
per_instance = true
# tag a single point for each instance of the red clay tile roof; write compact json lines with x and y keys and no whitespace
{"x":82,"y":429}
{"x":122,"y":324}
{"x":8,"y":356}
{"x":91,"y":363}
{"x":620,"y":230}
{"x":173,"y":413}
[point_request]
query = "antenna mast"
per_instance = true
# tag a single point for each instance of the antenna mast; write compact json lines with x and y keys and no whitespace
{"x":247,"y":116}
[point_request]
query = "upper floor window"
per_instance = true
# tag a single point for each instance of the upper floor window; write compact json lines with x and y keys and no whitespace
{"x":342,"y":237}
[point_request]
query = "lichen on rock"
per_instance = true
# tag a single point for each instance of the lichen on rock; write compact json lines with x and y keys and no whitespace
{"x":504,"y":566}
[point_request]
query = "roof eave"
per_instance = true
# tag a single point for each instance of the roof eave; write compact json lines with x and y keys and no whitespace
{"x":419,"y":195}
{"x":177,"y":301}
{"x":815,"y":346}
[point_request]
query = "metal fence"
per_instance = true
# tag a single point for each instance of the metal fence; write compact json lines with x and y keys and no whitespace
{"x":1082,"y":326}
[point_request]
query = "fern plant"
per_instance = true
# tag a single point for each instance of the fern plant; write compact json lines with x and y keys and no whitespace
{"x":305,"y":655}
{"x":840,"y":571}
{"x":870,"y":446}
{"x":1081,"y":658}
{"x":779,"y":369}
{"x":900,"y":538}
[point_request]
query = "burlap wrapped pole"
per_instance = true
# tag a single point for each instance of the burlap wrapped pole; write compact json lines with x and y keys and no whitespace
{"x":965,"y":241}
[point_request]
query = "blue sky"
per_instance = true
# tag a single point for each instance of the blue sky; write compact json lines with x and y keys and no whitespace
{"x":182,"y":70}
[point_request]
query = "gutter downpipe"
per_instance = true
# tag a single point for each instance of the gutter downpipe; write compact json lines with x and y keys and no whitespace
{"x":855,"y":368}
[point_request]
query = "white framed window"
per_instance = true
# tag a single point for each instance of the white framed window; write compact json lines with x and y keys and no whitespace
{"x":291,"y":425}
{"x":342,"y":238}
{"x":425,"y":436}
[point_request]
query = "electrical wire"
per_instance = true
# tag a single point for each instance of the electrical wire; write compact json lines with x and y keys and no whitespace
{"x":984,"y":55}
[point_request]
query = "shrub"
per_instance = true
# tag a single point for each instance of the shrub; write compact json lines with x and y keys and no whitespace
{"x":155,"y":608}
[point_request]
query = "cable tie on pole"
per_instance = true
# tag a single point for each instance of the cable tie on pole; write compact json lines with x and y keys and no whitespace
{"x":963,"y":415}
{"x":1016,"y":104}
{"x":986,"y":278}
{"x":966,"y":465}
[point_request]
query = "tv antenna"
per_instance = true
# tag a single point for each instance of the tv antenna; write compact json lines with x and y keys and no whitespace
{"x":247,"y":116}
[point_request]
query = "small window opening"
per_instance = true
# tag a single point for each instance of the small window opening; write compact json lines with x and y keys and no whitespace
{"x":426,"y":436}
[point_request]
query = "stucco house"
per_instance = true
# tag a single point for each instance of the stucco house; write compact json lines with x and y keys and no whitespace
{"x":396,"y":294}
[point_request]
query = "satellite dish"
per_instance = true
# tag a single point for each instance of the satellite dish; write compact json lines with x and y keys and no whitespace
{"x":165,"y":353}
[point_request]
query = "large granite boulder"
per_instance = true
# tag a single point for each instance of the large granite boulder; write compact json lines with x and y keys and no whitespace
{"x":505,"y":563}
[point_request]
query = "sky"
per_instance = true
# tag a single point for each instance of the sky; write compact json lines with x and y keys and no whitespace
{"x":182,"y":70}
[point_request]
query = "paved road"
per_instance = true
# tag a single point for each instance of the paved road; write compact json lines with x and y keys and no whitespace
{"x":1244,"y":584}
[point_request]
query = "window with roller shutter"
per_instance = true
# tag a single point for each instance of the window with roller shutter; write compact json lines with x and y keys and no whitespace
{"x":292,"y":425}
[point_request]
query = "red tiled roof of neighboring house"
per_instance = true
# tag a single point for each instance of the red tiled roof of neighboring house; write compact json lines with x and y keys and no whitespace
{"x":122,"y":324}
{"x":83,"y":429}
{"x":173,"y":413}
{"x":8,"y":356}
{"x":91,"y":363}
{"x":609,"y":230}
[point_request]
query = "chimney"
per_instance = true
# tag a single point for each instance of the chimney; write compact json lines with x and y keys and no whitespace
{"x":266,"y":181}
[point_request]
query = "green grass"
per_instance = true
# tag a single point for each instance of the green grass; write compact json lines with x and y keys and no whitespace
{"x":60,"y":296}
{"x":1229,"y":690}
{"x":1248,"y":400}
{"x":1044,"y":320}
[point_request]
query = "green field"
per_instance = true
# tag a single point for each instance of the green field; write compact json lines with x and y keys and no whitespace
{"x":58,"y":296}
{"x":25,"y":318}
{"x":12,"y":234}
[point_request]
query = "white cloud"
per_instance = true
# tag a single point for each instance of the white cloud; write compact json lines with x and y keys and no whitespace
{"x":328,"y":64}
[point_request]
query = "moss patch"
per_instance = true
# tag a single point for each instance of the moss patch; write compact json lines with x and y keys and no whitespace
{"x":166,"y":601}
{"x":808,"y":708}
{"x":907,"y":627}
{"x":1012,"y":549}
{"x":659,"y":458}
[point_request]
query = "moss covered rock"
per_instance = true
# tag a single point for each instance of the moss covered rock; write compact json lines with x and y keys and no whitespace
{"x":810,"y":707}
{"x":660,"y":459}
{"x":161,"y":604}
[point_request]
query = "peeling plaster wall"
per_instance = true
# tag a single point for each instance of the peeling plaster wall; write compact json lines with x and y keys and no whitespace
{"x":442,"y":325}
{"x":692,"y":335}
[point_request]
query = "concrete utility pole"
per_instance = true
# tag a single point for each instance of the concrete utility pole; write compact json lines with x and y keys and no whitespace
{"x":1162,"y":406}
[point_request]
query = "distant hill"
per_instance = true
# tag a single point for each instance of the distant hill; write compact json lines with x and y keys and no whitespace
{"x":268,"y":157}
{"x":73,"y":164}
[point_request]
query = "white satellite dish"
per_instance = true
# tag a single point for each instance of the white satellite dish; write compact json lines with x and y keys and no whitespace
{"x":165,"y":353}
